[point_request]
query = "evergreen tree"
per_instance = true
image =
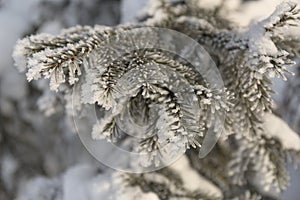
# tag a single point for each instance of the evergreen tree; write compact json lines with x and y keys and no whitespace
{"x":149,"y":90}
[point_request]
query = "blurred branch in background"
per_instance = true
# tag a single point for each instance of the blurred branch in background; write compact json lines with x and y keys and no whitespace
{"x":31,"y":144}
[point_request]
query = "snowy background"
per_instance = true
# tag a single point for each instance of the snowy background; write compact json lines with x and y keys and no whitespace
{"x":29,"y":132}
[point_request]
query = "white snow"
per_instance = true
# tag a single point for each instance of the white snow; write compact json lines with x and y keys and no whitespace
{"x":192,"y":179}
{"x":83,"y":182}
{"x":253,"y":11}
{"x":277,"y":128}
{"x":260,"y":40}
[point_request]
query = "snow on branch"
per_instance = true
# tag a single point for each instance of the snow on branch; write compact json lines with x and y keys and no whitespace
{"x":286,"y":14}
{"x":57,"y":57}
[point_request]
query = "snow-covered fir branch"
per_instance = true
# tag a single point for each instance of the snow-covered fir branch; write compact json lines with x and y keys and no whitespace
{"x":248,"y":161}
